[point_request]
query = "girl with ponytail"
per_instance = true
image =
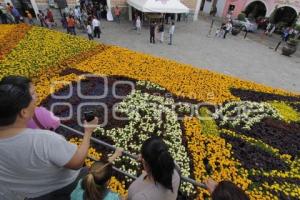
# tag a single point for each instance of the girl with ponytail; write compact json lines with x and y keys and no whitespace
{"x":160,"y":180}
{"x":94,"y":185}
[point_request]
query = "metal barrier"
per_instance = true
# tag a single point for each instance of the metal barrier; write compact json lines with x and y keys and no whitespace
{"x":118,"y":170}
{"x":183,"y":178}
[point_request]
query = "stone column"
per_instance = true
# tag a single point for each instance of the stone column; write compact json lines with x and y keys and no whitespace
{"x":109,"y":16}
{"x":197,"y":10}
{"x":35,"y":7}
{"x":129,"y":12}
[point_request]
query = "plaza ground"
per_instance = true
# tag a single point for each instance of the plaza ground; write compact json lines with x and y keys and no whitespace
{"x":252,"y":58}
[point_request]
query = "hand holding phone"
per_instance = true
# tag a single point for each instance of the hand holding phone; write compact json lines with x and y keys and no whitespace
{"x":90,"y":122}
{"x":89,"y":116}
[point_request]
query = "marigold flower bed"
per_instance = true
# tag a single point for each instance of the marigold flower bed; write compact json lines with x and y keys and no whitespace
{"x":169,"y":99}
{"x":10,"y":35}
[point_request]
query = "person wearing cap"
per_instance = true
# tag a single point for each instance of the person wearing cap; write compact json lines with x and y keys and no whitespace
{"x":43,"y":119}
{"x":35,"y":164}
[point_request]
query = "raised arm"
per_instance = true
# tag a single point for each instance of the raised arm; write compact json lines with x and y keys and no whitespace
{"x":78,"y":159}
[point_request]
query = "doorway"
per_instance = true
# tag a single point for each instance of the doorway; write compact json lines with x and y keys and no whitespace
{"x":255,"y":10}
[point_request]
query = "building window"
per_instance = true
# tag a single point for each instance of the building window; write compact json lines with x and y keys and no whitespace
{"x":231,"y":7}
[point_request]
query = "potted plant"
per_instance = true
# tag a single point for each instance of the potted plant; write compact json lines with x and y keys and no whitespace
{"x":236,"y":30}
{"x":241,"y":17}
{"x":297,"y":28}
{"x":290,"y":47}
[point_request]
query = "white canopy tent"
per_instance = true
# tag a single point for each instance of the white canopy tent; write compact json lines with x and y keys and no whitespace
{"x":159,"y":6}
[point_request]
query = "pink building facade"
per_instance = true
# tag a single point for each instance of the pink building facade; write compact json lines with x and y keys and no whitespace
{"x":241,"y":5}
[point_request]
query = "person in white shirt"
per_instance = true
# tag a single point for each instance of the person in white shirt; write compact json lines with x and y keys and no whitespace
{"x":138,"y":25}
{"x":272,"y":30}
{"x":78,"y":16}
{"x":96,"y":27}
{"x":162,"y":32}
{"x":229,"y":15}
{"x":89,"y":31}
{"x":171,"y":32}
{"x":228,"y":28}
{"x":35,"y":164}
{"x":77,"y":13}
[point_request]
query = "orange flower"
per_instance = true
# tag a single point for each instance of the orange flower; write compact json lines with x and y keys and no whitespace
{"x":11,"y":38}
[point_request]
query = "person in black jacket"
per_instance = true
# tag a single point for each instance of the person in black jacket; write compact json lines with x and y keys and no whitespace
{"x":152,"y":32}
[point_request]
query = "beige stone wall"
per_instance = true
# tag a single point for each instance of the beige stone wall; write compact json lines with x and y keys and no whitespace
{"x":191,"y":4}
{"x":120,"y":3}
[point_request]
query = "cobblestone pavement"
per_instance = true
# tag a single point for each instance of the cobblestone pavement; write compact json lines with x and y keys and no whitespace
{"x":251,"y":58}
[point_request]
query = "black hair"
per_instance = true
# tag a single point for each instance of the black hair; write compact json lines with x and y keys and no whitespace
{"x":226,"y":190}
{"x":20,"y":81}
{"x":14,"y":96}
{"x":155,"y":153}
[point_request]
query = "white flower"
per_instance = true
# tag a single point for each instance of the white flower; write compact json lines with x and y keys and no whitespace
{"x":142,"y":111}
{"x":244,"y":112}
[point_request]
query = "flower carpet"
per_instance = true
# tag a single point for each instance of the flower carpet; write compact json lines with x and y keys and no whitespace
{"x":215,"y":125}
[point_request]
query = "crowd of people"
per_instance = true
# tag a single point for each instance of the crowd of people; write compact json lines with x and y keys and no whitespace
{"x":286,"y":32}
{"x":46,"y":19}
{"x":11,"y":14}
{"x":39,"y":164}
{"x":87,"y":16}
{"x":224,"y":29}
{"x":157,"y":31}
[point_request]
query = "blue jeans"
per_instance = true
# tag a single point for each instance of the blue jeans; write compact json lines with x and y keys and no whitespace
{"x":71,"y":30}
{"x":118,"y":18}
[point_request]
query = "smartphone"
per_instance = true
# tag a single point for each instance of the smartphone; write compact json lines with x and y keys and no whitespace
{"x":89,"y":116}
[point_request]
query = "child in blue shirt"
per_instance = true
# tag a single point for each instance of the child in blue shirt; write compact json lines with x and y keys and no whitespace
{"x":94,"y":185}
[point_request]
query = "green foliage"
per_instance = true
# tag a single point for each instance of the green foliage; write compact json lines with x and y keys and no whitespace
{"x":244,"y":114}
{"x":293,"y":41}
{"x":208,"y":124}
{"x":260,"y":144}
{"x":285,"y":111}
{"x":297,"y":27}
{"x":242,"y":17}
{"x":281,"y":25}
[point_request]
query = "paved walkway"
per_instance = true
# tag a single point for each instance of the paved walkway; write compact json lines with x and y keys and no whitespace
{"x":250,"y":58}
